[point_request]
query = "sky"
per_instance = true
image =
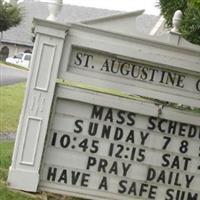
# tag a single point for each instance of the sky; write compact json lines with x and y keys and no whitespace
{"x":124,"y":5}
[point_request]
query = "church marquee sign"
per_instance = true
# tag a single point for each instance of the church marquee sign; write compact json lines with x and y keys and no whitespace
{"x":90,"y":126}
{"x":115,"y":153}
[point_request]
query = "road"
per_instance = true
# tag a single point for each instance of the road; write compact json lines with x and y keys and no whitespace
{"x":11,"y":75}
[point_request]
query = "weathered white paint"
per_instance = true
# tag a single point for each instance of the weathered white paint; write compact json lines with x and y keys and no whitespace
{"x":37,"y":105}
{"x":76,"y":104}
{"x":55,"y":57}
{"x":114,"y":22}
{"x":143,"y":50}
{"x":105,"y":66}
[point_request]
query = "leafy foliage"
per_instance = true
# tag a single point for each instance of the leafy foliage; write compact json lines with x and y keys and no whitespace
{"x":195,"y":3}
{"x":10,"y":15}
{"x":169,"y":7}
{"x":190,"y":25}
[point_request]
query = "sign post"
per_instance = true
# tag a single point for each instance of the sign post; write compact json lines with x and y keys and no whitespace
{"x":34,"y":118}
{"x":100,"y":117}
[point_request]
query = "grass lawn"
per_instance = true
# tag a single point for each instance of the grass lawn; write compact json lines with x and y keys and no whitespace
{"x":6,"y":149}
{"x":11,"y":98}
{"x":7,"y":194}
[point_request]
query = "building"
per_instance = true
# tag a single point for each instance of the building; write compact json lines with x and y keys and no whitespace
{"x":19,"y":38}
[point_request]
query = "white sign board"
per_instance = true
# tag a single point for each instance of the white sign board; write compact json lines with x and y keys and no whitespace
{"x":98,"y":143}
{"x":111,"y":153}
{"x":109,"y":67}
{"x":132,"y":65}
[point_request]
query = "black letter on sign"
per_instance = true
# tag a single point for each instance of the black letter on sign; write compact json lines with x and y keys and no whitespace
{"x":97,"y":112}
{"x":79,"y":59}
{"x":166,"y":158}
{"x":169,"y":194}
{"x":198,"y":85}
{"x":91,"y":162}
{"x":87,"y":59}
{"x":78,"y":125}
{"x":152,"y":122}
{"x":103,"y":184}
{"x":192,"y":196}
{"x":151,"y":174}
{"x":122,"y":185}
{"x":51,"y":176}
{"x":131,"y":117}
{"x":53,"y":142}
{"x":63,"y":176}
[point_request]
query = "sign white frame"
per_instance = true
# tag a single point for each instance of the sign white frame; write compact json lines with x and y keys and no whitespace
{"x":51,"y":57}
{"x":157,"y":53}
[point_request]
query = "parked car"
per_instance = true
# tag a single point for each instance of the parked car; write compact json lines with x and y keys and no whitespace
{"x":22,"y":59}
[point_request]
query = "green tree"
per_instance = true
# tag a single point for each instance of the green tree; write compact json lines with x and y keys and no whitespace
{"x":10,"y":15}
{"x":190,"y":24}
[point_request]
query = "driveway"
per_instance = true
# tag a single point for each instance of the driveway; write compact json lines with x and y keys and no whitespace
{"x":11,"y":75}
{"x":7,"y":136}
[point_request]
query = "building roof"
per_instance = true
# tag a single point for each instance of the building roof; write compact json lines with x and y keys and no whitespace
{"x":33,"y":9}
{"x":125,"y":23}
